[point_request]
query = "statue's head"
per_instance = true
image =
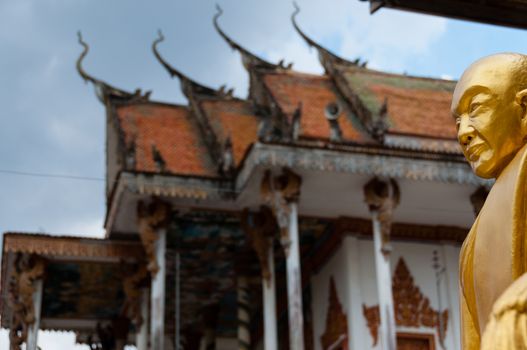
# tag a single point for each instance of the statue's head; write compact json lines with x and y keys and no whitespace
{"x":490,"y":109}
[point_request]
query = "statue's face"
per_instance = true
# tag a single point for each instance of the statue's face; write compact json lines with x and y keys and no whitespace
{"x":488,"y":115}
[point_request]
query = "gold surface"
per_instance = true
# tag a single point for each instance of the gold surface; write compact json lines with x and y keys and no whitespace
{"x":489,"y":105}
{"x":507,"y":328}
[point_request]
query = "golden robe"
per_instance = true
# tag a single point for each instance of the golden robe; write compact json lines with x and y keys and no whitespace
{"x":493,"y":254}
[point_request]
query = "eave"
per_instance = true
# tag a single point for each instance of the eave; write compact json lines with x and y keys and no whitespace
{"x":508,"y":13}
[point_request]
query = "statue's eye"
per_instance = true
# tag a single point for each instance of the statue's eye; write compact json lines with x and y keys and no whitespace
{"x":458,"y":122}
{"x":474,"y":106}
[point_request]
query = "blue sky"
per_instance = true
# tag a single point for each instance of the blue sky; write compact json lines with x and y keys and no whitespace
{"x":52,"y":123}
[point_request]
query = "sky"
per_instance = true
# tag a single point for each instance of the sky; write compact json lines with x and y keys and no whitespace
{"x":52,"y":123}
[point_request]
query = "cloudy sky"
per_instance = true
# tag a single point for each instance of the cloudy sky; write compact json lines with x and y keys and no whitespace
{"x":52,"y":123}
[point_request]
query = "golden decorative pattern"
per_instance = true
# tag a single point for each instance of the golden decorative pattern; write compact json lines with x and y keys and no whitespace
{"x":412,"y":308}
{"x":336,"y":322}
{"x":69,"y":246}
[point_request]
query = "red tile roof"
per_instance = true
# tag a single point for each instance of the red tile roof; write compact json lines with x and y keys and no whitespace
{"x":416,"y":106}
{"x":173,"y":131}
{"x":234,"y":119}
{"x":315,"y":93}
{"x":418,"y":112}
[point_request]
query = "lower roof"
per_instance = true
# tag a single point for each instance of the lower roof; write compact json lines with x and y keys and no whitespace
{"x":76,"y":270}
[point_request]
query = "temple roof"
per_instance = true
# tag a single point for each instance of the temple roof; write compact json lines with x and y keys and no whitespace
{"x":415,"y":106}
{"x":163,"y":138}
{"x":211,"y":136}
{"x":313,"y":94}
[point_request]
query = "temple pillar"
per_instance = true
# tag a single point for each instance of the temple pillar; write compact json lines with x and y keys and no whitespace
{"x":382,"y":197}
{"x":157,"y":296}
{"x":32,"y":333}
{"x":282,"y":193}
{"x":269,"y":301}
{"x":244,"y":315}
{"x":141,"y":341}
{"x":260,"y":228}
{"x":152,"y":221}
{"x":177,"y":302}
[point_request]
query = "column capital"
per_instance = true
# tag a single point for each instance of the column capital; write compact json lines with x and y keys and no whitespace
{"x":150,"y":218}
{"x":382,"y":197}
{"x":279,"y":191}
{"x":287,"y":184}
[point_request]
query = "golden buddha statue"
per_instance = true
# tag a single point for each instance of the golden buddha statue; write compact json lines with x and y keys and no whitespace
{"x":490,"y":108}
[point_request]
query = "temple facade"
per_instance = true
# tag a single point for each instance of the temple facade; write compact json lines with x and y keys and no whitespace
{"x":321,"y":212}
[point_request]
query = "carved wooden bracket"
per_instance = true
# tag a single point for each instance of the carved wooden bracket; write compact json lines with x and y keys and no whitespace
{"x":28,"y":269}
{"x":133,"y":284}
{"x":260,"y":229}
{"x":336,"y":334}
{"x":150,"y":218}
{"x":412,"y":308}
{"x":383,"y":197}
{"x":278,"y":192}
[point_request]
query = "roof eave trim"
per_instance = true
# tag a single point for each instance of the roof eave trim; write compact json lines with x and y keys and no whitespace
{"x":383,"y":163}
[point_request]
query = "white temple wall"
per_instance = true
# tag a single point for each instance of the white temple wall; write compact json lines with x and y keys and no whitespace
{"x":352,"y":266}
{"x":336,"y":267}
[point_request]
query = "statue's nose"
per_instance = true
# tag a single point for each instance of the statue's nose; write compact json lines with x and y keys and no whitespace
{"x":465,"y":132}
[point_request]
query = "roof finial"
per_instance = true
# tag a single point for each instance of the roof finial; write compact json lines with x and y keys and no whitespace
{"x":102,"y":89}
{"x":249,"y":59}
{"x":171,"y":70}
{"x":83,"y":54}
{"x":187,"y":85}
{"x":325,"y":56}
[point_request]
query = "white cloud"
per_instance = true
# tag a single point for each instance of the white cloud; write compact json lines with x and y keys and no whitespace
{"x":85,"y":228}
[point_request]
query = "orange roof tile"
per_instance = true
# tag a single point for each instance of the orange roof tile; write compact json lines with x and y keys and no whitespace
{"x":419,"y":112}
{"x":315,"y":93}
{"x":233,"y":118}
{"x":416,"y":106}
{"x":174,"y":133}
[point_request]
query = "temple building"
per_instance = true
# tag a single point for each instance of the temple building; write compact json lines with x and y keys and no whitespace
{"x":321,"y":212}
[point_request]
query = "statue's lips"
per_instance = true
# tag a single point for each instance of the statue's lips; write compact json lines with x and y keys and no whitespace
{"x":473,"y":151}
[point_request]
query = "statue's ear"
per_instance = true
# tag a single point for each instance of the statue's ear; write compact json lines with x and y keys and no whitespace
{"x":521,"y":99}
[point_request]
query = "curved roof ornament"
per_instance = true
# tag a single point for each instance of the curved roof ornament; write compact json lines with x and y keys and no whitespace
{"x":324,"y":55}
{"x":188,"y":86}
{"x":249,"y":59}
{"x":102,"y":89}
